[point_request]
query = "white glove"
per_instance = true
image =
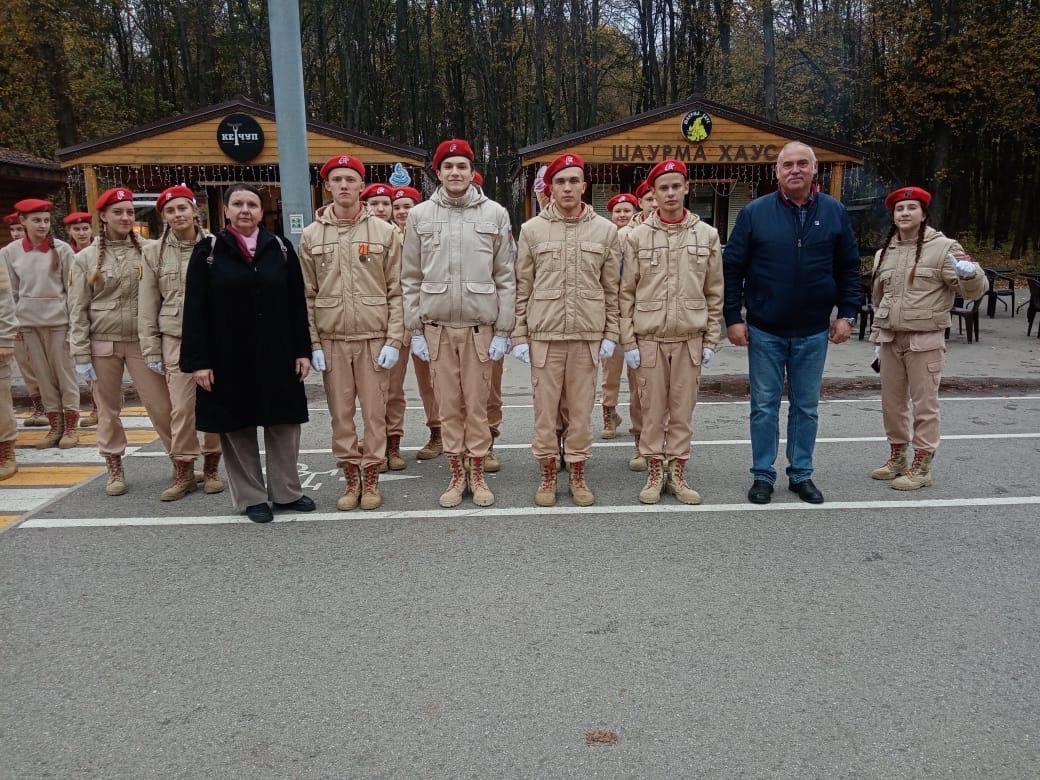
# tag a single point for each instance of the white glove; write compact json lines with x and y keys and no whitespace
{"x":632,"y":358}
{"x":707,"y":356}
{"x":318,"y":360}
{"x":156,"y":366}
{"x":499,"y":347}
{"x":877,"y":352}
{"x":420,"y":348}
{"x":388,"y":357}
{"x":522,"y":352}
{"x":606,"y":349}
{"x":965,"y":269}
{"x":85,"y":371}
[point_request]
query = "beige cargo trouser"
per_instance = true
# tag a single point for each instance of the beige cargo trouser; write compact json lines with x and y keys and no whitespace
{"x":461,"y":371}
{"x":669,"y":377}
{"x":563,"y":369}
{"x":110,"y":358}
{"x":352,"y":376}
{"x":911,"y":370}
{"x":181,"y":387}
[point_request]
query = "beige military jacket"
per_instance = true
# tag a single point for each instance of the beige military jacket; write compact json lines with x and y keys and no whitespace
{"x":160,"y":300}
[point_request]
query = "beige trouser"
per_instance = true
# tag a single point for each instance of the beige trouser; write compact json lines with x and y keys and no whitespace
{"x":352,"y":376}
{"x":669,"y":382}
{"x":55,"y":373}
{"x":558,"y":369}
{"x":461,"y":371}
{"x":8,"y":426}
{"x":910,"y":376}
{"x":242,"y":463}
{"x":426,"y":392}
{"x":110,"y":358}
{"x":612,"y":387}
{"x":181,"y":387}
{"x":395,"y":400}
{"x":494,"y":403}
{"x":21,"y":356}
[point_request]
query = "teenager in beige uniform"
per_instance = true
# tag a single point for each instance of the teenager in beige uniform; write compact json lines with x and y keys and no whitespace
{"x":8,"y":331}
{"x":917,"y":274}
{"x":103,"y":296}
{"x":37,"y":418}
{"x":351,"y":263}
{"x":671,"y":322}
{"x":38,"y":267}
{"x":567,"y":270}
{"x":79,"y":226}
{"x":459,"y":293}
{"x":622,"y":207}
{"x":160,"y":315}
{"x":404,"y":199}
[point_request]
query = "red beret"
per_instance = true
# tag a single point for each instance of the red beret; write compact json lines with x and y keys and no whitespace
{"x":406,"y":192}
{"x":170,"y":193}
{"x":31,"y":205}
{"x":342,"y":161}
{"x":622,"y":197}
{"x":114,"y":195}
{"x":453,"y":147}
{"x":663,"y":167}
{"x":907,"y":193}
{"x":642,"y":189}
{"x":478,"y":179}
{"x":563,"y":161}
{"x":373,"y":190}
{"x":11,"y":219}
{"x":77,"y":217}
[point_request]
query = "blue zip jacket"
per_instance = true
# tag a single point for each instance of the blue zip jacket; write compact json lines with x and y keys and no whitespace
{"x":788,"y":276}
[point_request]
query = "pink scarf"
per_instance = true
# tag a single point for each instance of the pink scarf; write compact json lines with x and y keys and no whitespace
{"x":246,"y":243}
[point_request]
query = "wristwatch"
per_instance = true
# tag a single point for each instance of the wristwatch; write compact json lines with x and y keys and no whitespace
{"x":850,"y":320}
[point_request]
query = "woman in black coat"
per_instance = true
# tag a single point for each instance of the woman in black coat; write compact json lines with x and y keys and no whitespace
{"x":246,"y":342}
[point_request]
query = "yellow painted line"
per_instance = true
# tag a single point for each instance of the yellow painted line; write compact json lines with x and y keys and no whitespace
{"x":52,"y":475}
{"x":137,"y":436}
{"x":134,"y":411}
{"x":6,"y":521}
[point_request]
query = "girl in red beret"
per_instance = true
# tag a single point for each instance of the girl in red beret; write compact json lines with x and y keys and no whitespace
{"x":103,"y":307}
{"x":37,"y":418}
{"x":38,"y":266}
{"x":917,"y":273}
{"x":80,"y":229}
{"x":160,"y":312}
{"x":14,"y":227}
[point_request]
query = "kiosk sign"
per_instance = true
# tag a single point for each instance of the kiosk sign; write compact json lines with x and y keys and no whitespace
{"x":240,"y":137}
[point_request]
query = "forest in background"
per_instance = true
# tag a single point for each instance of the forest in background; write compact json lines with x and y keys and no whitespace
{"x":942,"y":93}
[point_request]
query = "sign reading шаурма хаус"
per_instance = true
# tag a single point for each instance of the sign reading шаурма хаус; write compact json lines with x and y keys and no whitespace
{"x":240,"y":137}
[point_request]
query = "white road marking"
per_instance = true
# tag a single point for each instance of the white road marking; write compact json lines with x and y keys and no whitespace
{"x":19,"y":499}
{"x":434,"y":513}
{"x":56,"y":457}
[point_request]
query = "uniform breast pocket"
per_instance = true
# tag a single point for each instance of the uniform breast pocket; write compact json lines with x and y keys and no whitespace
{"x":485,"y":233}
{"x":592,"y":257}
{"x":429,"y":235}
{"x":651,"y":261}
{"x":169,"y":283}
{"x":548,"y":256}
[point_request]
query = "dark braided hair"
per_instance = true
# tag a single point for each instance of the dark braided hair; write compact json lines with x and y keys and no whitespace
{"x":95,"y":275}
{"x":892,"y":234}
{"x":55,"y":262}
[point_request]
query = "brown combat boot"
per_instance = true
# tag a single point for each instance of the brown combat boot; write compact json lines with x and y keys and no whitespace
{"x":116,"y":480}
{"x":371,"y":498}
{"x":491,"y":464}
{"x":651,"y":492}
{"x":433,"y":447}
{"x":580,"y":493}
{"x":478,"y":486}
{"x":211,"y":481}
{"x":53,"y":436}
{"x":8,"y":462}
{"x":183,"y":481}
{"x":894,"y":466}
{"x":352,"y":492}
{"x":546,"y":493}
{"x":637,"y":462}
{"x":37,"y":417}
{"x":456,"y":485}
{"x":677,"y":485}
{"x":393,"y":453}
{"x":919,"y":474}
{"x":69,"y":436}
{"x":611,"y":420}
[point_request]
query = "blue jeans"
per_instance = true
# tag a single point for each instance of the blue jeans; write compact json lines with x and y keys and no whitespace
{"x":769,"y":359}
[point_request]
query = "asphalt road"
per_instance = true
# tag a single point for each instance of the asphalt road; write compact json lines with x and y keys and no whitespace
{"x":882,"y":635}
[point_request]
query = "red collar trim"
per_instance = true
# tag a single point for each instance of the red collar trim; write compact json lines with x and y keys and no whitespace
{"x":28,"y":247}
{"x":679,"y":221}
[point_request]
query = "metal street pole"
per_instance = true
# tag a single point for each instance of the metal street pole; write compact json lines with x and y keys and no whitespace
{"x":290,"y":116}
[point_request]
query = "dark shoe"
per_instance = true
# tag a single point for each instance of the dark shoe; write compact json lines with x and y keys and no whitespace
{"x":807,"y":491}
{"x":761,"y":492}
{"x":259,"y":513}
{"x":302,"y":504}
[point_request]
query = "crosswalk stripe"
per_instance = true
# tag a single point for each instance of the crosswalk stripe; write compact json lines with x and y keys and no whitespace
{"x":34,"y":476}
{"x":29,"y":437}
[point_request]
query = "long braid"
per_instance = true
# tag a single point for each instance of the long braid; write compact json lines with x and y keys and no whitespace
{"x":920,"y":246}
{"x":884,"y":248}
{"x":102,"y":247}
{"x":55,"y":262}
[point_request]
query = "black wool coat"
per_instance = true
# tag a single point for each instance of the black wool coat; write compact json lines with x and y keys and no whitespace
{"x":247,"y":321}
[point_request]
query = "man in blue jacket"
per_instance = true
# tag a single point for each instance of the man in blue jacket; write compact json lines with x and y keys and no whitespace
{"x":791,"y":258}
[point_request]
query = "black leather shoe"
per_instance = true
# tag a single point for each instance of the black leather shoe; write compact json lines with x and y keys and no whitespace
{"x":259,"y":513}
{"x":302,"y":504}
{"x":807,"y":491}
{"x":761,"y":492}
